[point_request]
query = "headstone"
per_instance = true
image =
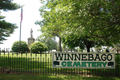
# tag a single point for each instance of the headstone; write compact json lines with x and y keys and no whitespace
{"x":31,"y":39}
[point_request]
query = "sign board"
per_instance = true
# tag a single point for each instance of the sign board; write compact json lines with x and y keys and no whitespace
{"x":84,"y":60}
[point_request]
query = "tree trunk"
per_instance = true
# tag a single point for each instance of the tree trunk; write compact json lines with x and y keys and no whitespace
{"x":60,"y":44}
{"x":88,"y":48}
{"x":88,"y":45}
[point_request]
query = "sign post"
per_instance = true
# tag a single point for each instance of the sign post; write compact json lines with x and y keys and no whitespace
{"x":84,"y":60}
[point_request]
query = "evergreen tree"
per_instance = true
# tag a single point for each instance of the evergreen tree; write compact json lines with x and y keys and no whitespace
{"x":6,"y":28}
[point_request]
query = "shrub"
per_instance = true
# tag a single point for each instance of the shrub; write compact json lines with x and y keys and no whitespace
{"x":24,"y":46}
{"x":38,"y":47}
{"x":3,"y":50}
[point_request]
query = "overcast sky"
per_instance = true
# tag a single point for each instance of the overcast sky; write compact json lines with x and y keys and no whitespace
{"x":30,"y":15}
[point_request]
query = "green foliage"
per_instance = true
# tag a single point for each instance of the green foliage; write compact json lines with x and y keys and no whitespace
{"x":94,"y":22}
{"x":48,"y":41}
{"x":8,"y":5}
{"x":97,"y":18}
{"x":24,"y":46}
{"x":6,"y":28}
{"x":80,"y":41}
{"x":50,"y":25}
{"x":38,"y":47}
{"x":3,"y":50}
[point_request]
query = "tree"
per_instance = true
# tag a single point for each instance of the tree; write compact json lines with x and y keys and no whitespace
{"x":94,"y":20}
{"x":98,"y":19}
{"x":50,"y":23}
{"x":102,"y":19}
{"x":82,"y":41}
{"x":6,"y":28}
{"x":24,"y":46}
{"x":48,"y":41}
{"x":38,"y":47}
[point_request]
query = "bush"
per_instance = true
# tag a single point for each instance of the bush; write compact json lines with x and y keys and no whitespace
{"x":3,"y":50}
{"x":24,"y":46}
{"x":38,"y":47}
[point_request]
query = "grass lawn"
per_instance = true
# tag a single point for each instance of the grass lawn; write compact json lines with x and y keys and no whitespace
{"x":51,"y":77}
{"x":42,"y":63}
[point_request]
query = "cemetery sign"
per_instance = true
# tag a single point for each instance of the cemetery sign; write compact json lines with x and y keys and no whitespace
{"x":84,"y":60}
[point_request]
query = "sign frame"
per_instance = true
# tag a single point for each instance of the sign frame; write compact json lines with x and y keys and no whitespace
{"x":112,"y":67}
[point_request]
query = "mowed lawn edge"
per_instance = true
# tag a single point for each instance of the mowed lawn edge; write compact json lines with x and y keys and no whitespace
{"x":51,"y":77}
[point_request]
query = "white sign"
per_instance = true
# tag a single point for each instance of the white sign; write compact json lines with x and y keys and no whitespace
{"x":83,"y":60}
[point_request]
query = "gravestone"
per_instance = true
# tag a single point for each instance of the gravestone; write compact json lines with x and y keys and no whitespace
{"x":31,"y":39}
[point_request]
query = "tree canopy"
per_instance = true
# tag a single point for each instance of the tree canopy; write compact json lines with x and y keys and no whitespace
{"x":6,"y":28}
{"x":98,"y":20}
{"x":24,"y":46}
{"x":38,"y":47}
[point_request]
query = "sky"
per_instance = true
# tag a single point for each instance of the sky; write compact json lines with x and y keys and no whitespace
{"x":30,"y":15}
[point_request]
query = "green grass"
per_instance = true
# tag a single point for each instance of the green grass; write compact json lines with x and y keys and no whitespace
{"x":43,"y":63}
{"x":51,"y":77}
{"x":28,"y":55}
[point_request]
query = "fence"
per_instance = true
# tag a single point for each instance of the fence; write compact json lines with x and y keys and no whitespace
{"x":31,"y":63}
